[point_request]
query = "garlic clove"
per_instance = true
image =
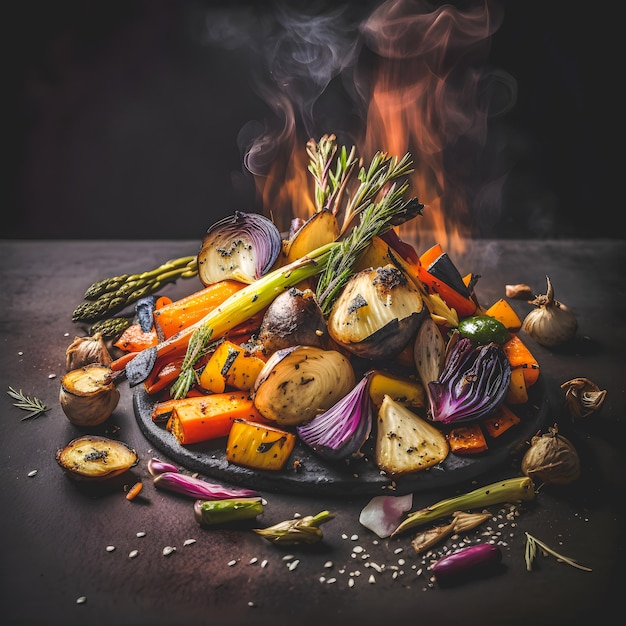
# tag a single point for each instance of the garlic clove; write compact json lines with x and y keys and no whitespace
{"x":86,"y":350}
{"x":583,"y":397}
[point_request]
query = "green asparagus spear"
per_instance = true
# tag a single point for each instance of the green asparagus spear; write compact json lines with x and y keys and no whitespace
{"x":110,"y":328}
{"x":109,"y":296}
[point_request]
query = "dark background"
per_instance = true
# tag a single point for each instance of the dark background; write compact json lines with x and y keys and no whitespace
{"x":124,"y":125}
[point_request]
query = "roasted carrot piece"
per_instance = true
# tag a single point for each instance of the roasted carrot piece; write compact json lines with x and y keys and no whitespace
{"x":179,"y":314}
{"x":134,"y":339}
{"x":519,"y":355}
{"x":193,"y":422}
{"x":500,"y":421}
{"x":467,"y":439}
{"x":119,"y":364}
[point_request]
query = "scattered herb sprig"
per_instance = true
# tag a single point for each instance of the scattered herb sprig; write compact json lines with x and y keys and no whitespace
{"x":34,"y":405}
{"x":531,"y":552}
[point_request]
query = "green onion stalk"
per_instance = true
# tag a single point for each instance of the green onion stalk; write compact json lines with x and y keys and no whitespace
{"x":509,"y":490}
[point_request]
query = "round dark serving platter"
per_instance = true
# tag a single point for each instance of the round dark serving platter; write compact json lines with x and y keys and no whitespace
{"x":305,"y":472}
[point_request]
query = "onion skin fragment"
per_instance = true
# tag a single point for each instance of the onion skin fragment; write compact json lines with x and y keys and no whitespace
{"x":461,"y":562}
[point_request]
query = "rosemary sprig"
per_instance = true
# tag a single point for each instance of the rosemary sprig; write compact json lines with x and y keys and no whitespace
{"x":34,"y":405}
{"x":383,"y":169}
{"x":329,"y":186}
{"x":376,"y":219}
{"x":531,"y":552}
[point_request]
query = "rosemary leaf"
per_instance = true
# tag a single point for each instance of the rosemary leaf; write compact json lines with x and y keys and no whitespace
{"x":531,"y":552}
{"x":24,"y":402}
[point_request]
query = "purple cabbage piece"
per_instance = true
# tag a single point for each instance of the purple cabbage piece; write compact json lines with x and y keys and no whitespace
{"x":474,"y":382}
{"x":339,"y":432}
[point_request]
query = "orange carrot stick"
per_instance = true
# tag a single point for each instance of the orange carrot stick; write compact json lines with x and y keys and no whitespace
{"x":179,"y":314}
{"x":211,"y":417}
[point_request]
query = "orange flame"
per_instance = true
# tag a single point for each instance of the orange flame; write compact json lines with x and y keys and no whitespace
{"x":426,"y":97}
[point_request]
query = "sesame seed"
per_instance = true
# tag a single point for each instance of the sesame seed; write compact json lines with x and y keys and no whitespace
{"x":168,"y":550}
{"x":328,"y":564}
{"x":351,"y":582}
{"x":51,"y":376}
{"x":288,"y":557}
{"x":251,"y":604}
{"x":133,"y":553}
{"x":331,"y":581}
{"x":231,"y":563}
{"x":32,"y":473}
{"x":354,"y":538}
{"x":253,"y":560}
{"x":81,"y":600}
{"x":189,"y":542}
{"x":372,"y":579}
{"x":291,"y":566}
{"x":264,"y":563}
{"x":110,"y":548}
{"x":141,"y":533}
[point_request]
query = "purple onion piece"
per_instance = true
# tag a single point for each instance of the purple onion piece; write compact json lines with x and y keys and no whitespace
{"x":339,"y":432}
{"x":156,"y":467}
{"x":198,"y":488}
{"x":260,"y":231}
{"x":473,"y":383}
{"x":459,"y":562}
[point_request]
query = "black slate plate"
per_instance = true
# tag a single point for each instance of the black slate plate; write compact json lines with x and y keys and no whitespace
{"x":359,"y":477}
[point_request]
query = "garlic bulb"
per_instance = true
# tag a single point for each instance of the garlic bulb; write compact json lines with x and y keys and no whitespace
{"x":551,"y":459}
{"x":551,"y":323}
{"x":583,"y":396}
{"x":86,"y":350}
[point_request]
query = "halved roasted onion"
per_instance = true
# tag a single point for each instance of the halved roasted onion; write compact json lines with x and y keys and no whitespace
{"x":242,"y":246}
{"x":88,"y":394}
{"x":92,"y":457}
{"x":377,"y":313}
{"x":299,"y":382}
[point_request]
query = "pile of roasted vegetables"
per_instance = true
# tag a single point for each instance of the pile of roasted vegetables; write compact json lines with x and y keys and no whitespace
{"x":335,"y":334}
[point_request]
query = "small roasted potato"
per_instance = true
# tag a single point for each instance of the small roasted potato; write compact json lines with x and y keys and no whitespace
{"x":92,"y":457}
{"x":294,"y":318}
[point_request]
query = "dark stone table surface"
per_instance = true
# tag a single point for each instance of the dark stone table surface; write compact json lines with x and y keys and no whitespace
{"x":56,"y":533}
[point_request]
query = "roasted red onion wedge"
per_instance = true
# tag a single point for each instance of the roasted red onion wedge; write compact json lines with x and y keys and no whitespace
{"x":474,"y":382}
{"x":242,"y":246}
{"x":339,"y":432}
